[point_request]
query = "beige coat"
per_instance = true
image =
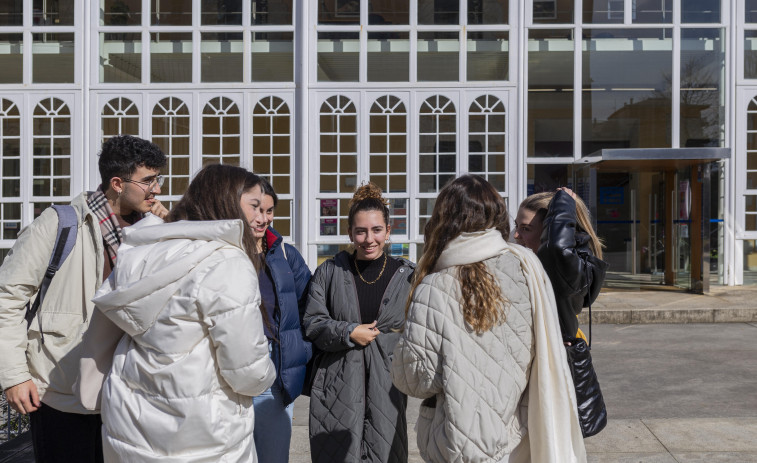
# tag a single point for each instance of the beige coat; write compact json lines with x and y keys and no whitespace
{"x":65,"y":312}
{"x":503,"y":395}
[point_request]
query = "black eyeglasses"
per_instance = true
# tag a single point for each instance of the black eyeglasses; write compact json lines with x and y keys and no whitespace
{"x":156,"y":181}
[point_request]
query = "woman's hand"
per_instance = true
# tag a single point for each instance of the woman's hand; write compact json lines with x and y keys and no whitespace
{"x":364,"y":334}
{"x":569,"y":191}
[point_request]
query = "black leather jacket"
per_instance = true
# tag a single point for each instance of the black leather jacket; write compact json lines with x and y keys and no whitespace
{"x":575,"y":272}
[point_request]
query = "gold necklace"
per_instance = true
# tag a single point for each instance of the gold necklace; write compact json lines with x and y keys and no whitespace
{"x":361,"y":276}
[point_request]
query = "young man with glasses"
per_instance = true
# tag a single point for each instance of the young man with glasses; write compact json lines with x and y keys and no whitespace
{"x":38,"y":376}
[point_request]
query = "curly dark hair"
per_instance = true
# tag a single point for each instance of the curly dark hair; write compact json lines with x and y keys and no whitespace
{"x":123,"y":154}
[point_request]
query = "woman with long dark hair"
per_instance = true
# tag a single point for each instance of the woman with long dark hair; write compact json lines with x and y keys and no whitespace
{"x":284,"y":279}
{"x":477,"y":345}
{"x":355,"y":308}
{"x":186,"y":295}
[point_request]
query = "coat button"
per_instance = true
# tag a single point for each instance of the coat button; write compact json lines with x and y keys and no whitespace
{"x":386,"y":301}
{"x":402,"y":270}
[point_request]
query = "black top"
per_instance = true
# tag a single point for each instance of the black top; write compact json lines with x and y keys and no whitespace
{"x":268,"y":298}
{"x":369,"y":295}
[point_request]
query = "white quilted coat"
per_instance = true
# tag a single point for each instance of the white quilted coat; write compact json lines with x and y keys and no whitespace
{"x":504,"y":395}
{"x":194,"y":352}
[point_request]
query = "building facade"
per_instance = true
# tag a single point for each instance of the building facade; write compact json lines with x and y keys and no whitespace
{"x":320,"y":96}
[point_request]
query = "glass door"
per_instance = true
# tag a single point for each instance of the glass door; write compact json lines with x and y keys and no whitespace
{"x":682,"y":228}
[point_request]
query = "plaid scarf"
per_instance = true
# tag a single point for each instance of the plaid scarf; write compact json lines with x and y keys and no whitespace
{"x":109,"y":226}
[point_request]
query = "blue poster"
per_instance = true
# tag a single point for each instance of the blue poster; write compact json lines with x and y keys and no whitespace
{"x":611,"y":195}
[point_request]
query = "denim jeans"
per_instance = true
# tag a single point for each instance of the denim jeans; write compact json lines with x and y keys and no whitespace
{"x":65,"y":437}
{"x":273,"y":426}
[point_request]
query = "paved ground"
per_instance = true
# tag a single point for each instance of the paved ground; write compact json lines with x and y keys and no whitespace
{"x":674,"y":393}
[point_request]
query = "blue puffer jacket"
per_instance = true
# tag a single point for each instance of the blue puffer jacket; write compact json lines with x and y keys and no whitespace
{"x":291,"y":278}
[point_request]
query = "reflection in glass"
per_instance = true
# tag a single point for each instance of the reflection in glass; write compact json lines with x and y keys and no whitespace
{"x":750,"y":10}
{"x":339,"y":12}
{"x":121,"y":12}
{"x":170,"y":13}
{"x":221,"y":57}
{"x":750,"y":54}
{"x":438,"y":56}
{"x":53,"y":58}
{"x":11,"y":58}
{"x":487,"y":56}
{"x":170,"y":131}
{"x":338,"y":56}
{"x":550,"y":93}
{"x":438,"y":12}
{"x":272,"y":56}
{"x":221,"y":12}
{"x":487,"y":11}
{"x":120,"y":116}
{"x":388,"y":144}
{"x":437,"y":159}
{"x":170,"y":57}
{"x":120,"y":57}
{"x":53,"y":13}
{"x":51,"y":139}
{"x":700,"y":11}
{"x":626,"y":89}
{"x":553,"y":11}
{"x":386,"y":12}
{"x":702,"y":90}
{"x":272,"y":13}
{"x":548,"y":177}
{"x":486,"y":140}
{"x":603,"y":11}
{"x":652,"y":11}
{"x":12,"y":13}
{"x":338,"y":145}
{"x":388,"y":57}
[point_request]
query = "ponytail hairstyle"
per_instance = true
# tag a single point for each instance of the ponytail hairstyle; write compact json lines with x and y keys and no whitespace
{"x":538,"y":203}
{"x":467,"y":204}
{"x":215,"y":194}
{"x":368,"y":197}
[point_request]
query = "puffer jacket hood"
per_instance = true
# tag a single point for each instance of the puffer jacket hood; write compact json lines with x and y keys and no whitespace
{"x":134,"y":305}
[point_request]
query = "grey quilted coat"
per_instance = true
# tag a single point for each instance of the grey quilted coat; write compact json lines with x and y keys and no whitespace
{"x":356,"y":414}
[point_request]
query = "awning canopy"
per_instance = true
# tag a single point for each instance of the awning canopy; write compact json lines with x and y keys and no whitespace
{"x":646,"y":159}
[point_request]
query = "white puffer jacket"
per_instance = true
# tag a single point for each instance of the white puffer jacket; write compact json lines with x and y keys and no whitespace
{"x":503,"y":395}
{"x":194,"y":352}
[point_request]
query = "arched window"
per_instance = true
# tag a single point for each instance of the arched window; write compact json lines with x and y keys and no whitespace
{"x":10,"y":170}
{"x":51,"y":153}
{"x":220,"y":132}
{"x":272,"y":155}
{"x":120,"y":116}
{"x":437,"y":151}
{"x":170,"y":131}
{"x":338,"y":162}
{"x":486,"y":140}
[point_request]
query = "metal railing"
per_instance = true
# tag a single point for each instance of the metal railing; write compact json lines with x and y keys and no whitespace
{"x":12,"y":424}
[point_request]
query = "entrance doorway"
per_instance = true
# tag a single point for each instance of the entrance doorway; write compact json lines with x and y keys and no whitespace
{"x":655,"y":217}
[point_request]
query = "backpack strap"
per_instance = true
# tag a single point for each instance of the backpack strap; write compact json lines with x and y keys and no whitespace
{"x":65,"y":238}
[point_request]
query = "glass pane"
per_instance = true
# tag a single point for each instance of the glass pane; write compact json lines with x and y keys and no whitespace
{"x":553,"y":11}
{"x":750,"y":254}
{"x":217,"y":12}
{"x":603,"y":11}
{"x":339,"y":12}
{"x":438,"y":56}
{"x":388,"y":57}
{"x":488,"y":56}
{"x":53,"y":58}
{"x":270,"y":13}
{"x":386,"y":12}
{"x":53,"y":13}
{"x":550,"y":93}
{"x":11,"y":58}
{"x":121,"y":12}
{"x":750,"y":54}
{"x":487,"y":11}
{"x":338,"y":57}
{"x":652,"y":11}
{"x":170,"y":57}
{"x":221,"y":57}
{"x":438,"y":12}
{"x":273,"y":57}
{"x":750,"y":10}
{"x":700,"y":11}
{"x":12,"y":13}
{"x":702,"y":90}
{"x":626,"y":89}
{"x":170,"y":13}
{"x":120,"y":57}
